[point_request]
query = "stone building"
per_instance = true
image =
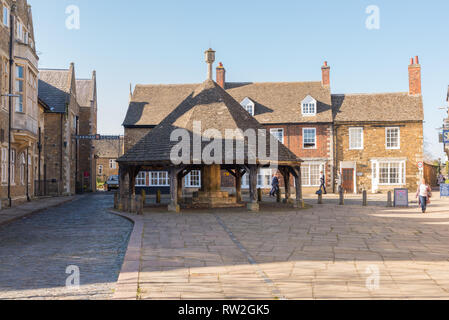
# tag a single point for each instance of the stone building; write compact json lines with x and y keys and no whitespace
{"x":57,"y":89}
{"x":86,"y":90}
{"x":203,"y":118}
{"x":19,"y":112}
{"x":379,"y":137}
{"x":314,"y":124}
{"x":106,"y":154}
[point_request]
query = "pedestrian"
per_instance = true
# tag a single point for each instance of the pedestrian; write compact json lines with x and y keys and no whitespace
{"x":323,"y":182}
{"x":274,"y":185}
{"x":441,"y":179}
{"x":424,"y":193}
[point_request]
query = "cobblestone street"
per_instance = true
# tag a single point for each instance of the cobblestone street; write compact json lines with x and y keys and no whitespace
{"x":35,"y":251}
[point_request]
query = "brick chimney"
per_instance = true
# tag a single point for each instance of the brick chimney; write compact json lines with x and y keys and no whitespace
{"x":326,"y":75}
{"x":221,"y":75}
{"x":414,"y":77}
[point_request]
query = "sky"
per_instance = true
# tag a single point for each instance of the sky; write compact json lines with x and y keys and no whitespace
{"x":152,"y":42}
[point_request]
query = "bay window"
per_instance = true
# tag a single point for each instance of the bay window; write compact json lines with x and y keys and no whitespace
{"x":19,"y":89}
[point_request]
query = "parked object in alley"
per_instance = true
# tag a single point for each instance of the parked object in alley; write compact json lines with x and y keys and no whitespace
{"x":112,"y":183}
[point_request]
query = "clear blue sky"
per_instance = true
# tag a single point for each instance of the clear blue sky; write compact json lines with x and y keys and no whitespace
{"x":143,"y":41}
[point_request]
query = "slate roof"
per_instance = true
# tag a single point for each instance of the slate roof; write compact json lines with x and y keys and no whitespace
{"x":54,"y":88}
{"x":207,"y":103}
{"x":85,"y":92}
{"x":381,"y":107}
{"x":275,"y":102}
{"x":109,"y":148}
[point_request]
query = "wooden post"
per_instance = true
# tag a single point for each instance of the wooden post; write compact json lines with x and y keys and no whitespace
{"x":173,"y":206}
{"x":122,"y":187}
{"x":259,"y":195}
{"x":299,"y":203}
{"x":116,"y":200}
{"x":253,"y":205}
{"x":179,"y":189}
{"x":238,"y":185}
{"x":286,"y":175}
{"x":144,"y":196}
{"x":140,"y":200}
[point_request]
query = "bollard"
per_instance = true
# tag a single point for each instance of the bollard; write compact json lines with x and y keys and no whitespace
{"x":365,"y":198}
{"x":144,"y":196}
{"x":389,"y":200}
{"x":342,"y":197}
{"x":320,"y":198}
{"x":259,"y":195}
{"x":158,"y":196}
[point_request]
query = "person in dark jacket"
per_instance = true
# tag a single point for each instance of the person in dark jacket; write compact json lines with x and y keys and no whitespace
{"x":274,"y":185}
{"x":323,"y":182}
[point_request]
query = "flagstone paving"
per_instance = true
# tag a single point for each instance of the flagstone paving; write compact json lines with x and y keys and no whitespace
{"x":328,"y":252}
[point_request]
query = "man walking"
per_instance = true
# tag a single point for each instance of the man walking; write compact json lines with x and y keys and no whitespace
{"x":274,"y":185}
{"x":323,"y":182}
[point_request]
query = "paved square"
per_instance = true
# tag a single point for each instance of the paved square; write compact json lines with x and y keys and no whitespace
{"x":328,"y":252}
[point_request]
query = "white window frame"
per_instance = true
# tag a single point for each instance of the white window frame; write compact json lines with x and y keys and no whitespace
{"x":248,"y":104}
{"x":7,"y":14}
{"x":112,"y":164}
{"x":306,"y":107}
{"x":278,"y":130}
{"x":142,"y":176}
{"x":20,"y":101}
{"x":262,"y":175}
{"x":351,"y":131}
{"x":304,"y":139}
{"x":160,"y":177}
{"x":307,"y":179}
{"x":399,"y":138}
{"x":189,"y":182}
{"x":376,"y":176}
{"x":4,"y":159}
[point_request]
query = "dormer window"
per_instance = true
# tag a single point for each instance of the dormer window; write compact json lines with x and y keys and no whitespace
{"x":308,"y":106}
{"x":248,"y":105}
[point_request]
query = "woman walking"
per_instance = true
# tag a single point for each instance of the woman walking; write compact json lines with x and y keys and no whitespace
{"x":424,"y":193}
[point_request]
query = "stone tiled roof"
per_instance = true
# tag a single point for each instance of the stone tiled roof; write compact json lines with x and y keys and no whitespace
{"x":85,"y":92}
{"x":385,"y":107}
{"x":54,"y":88}
{"x":208,"y":103}
{"x":280,"y":102}
{"x":109,"y":148}
{"x":274,"y":102}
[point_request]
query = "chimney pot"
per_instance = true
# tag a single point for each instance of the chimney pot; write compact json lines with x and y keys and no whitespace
{"x":414,"y":77}
{"x":325,"y":71}
{"x":221,"y":75}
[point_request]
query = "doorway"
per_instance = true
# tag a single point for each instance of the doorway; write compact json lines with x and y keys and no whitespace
{"x":348,"y":180}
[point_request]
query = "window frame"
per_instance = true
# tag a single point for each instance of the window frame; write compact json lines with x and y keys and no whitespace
{"x":402,"y":172}
{"x":112,"y":164}
{"x":304,"y":139}
{"x":141,"y":176}
{"x":308,"y":165}
{"x":262,"y":174}
{"x":158,"y":179}
{"x":362,"y":142}
{"x":4,"y":165}
{"x":307,"y":104}
{"x":278,"y":130}
{"x":188,"y":179}
{"x":387,"y":129}
{"x":8,"y":13}
{"x":248,"y":102}
{"x":22,"y":93}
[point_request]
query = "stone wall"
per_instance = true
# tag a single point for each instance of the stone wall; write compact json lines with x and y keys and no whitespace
{"x":411,"y":148}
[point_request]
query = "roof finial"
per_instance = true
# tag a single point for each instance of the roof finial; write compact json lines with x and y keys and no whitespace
{"x":210,"y":59}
